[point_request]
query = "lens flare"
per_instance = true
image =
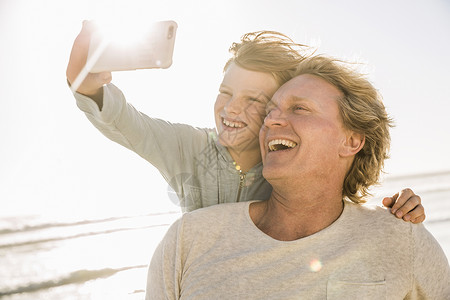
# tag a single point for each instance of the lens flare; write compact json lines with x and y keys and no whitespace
{"x":127,"y":33}
{"x":315,"y":265}
{"x":123,"y":32}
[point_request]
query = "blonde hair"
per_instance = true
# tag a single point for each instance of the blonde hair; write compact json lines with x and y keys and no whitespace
{"x":362,"y":111}
{"x":270,"y":52}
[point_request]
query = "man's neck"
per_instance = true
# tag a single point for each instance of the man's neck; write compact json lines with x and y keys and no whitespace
{"x":288,"y":219}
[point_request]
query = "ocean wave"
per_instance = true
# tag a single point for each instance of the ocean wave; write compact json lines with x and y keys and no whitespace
{"x":424,"y":175}
{"x":439,"y":220}
{"x":79,"y":235}
{"x":23,"y":227}
{"x":78,"y":276}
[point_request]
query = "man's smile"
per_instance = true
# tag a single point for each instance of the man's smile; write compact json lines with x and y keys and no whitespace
{"x":281,"y":144}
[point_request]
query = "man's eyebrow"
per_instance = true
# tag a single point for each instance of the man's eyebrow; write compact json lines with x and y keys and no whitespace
{"x":222,"y":85}
{"x":294,"y":98}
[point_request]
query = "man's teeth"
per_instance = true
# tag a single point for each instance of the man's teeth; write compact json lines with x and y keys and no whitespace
{"x":233,"y":124}
{"x":281,"y":144}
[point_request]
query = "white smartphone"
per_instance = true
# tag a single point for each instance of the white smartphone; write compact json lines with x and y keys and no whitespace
{"x":154,"y":50}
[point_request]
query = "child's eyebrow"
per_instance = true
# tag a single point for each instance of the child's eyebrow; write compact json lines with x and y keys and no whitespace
{"x":253,"y":92}
{"x":258,"y":93}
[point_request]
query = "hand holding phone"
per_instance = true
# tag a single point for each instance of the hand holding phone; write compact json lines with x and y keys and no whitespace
{"x":78,"y":76}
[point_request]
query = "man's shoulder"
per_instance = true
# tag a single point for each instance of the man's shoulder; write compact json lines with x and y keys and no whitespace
{"x":373,"y":225}
{"x":215,"y":213}
{"x":375,"y":216}
{"x":378,"y":222}
{"x":369,"y":209}
{"x":213,"y":222}
{"x":219,"y":210}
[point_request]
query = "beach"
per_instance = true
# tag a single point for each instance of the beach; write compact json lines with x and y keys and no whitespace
{"x":107,"y":258}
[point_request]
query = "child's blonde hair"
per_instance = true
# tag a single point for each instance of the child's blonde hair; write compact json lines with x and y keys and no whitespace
{"x":270,"y":52}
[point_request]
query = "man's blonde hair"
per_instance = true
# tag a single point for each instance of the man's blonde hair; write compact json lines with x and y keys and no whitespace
{"x":362,"y":111}
{"x":270,"y":52}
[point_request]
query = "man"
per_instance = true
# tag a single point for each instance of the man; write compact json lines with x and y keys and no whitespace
{"x":208,"y":166}
{"x":323,"y":144}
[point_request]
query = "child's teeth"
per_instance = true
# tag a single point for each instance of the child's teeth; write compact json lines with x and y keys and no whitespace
{"x":232,"y":124}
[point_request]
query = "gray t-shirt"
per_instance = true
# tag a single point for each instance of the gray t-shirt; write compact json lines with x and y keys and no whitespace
{"x":218,"y":253}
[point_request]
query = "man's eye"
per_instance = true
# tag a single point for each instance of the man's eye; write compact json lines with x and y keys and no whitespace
{"x":269,"y":107}
{"x":298,"y":107}
{"x":225,"y":93}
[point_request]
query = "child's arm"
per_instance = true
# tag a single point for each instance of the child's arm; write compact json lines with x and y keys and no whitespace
{"x":171,"y":148}
{"x":406,"y":205}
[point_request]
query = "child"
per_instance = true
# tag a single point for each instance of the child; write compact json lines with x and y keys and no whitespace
{"x":204,"y":166}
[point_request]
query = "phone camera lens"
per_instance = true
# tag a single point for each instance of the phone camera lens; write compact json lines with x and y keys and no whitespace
{"x":170,"y":33}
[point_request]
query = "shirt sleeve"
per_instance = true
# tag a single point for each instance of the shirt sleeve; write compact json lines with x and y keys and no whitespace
{"x":164,"y":273}
{"x":431,"y":274}
{"x":169,"y":147}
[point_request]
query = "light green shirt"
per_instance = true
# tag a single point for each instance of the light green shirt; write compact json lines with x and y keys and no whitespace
{"x":199,"y":169}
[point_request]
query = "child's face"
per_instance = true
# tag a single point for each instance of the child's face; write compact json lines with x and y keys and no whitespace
{"x":240,"y":107}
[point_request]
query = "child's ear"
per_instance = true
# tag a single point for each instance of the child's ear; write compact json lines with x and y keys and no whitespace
{"x":352,"y":144}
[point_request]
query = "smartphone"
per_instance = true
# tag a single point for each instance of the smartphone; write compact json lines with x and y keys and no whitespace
{"x":152,"y":50}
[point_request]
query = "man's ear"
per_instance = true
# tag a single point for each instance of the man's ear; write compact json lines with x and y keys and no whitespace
{"x":352,"y":144}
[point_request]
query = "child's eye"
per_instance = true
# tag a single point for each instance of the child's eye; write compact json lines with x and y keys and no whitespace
{"x":255,"y":100}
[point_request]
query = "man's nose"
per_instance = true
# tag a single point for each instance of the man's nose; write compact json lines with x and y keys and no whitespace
{"x":275,"y":118}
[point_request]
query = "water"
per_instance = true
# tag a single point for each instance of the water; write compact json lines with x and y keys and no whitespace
{"x":107,"y":258}
{"x":88,"y":259}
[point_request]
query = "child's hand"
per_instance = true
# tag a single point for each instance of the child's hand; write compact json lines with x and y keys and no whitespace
{"x":406,"y":205}
{"x":93,"y":83}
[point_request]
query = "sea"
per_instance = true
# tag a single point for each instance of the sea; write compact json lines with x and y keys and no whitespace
{"x":107,"y":258}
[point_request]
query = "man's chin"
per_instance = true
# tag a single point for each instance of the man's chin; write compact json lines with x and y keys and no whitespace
{"x":272,"y":172}
{"x":270,"y":175}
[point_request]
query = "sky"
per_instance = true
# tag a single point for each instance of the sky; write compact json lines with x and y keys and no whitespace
{"x":53,"y":161}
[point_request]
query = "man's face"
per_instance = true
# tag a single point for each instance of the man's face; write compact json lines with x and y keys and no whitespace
{"x":240,"y":107}
{"x":303,"y":135}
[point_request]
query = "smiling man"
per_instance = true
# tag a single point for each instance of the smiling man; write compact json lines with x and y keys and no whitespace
{"x":323,"y":144}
